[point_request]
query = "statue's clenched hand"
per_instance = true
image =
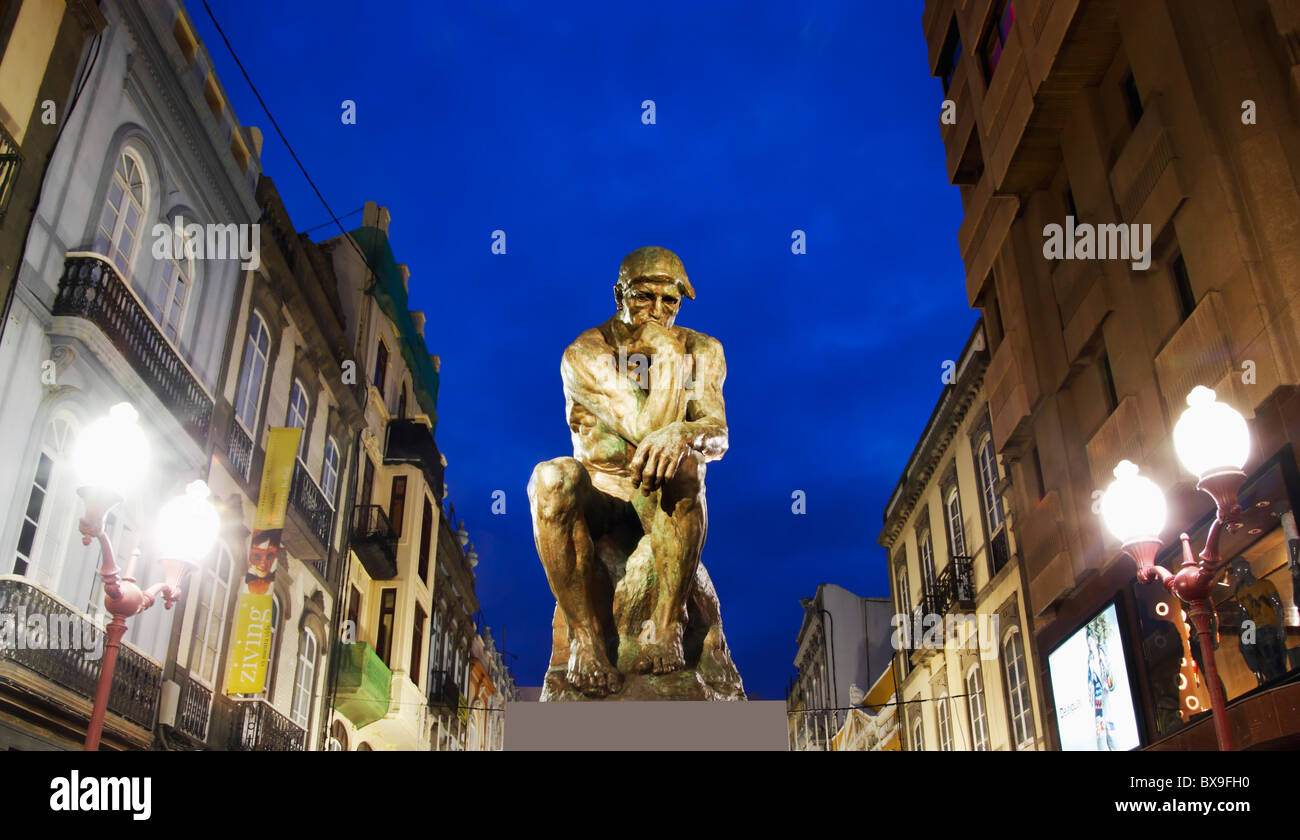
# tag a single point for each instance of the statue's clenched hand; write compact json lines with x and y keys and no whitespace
{"x":659,"y":455}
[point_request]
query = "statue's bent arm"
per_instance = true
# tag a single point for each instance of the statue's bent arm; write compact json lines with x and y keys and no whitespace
{"x":591,"y":378}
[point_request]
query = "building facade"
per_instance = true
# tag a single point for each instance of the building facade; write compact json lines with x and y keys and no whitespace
{"x":843,"y":644}
{"x":964,"y":659}
{"x":101,"y":316}
{"x":43,"y":59}
{"x":1167,"y":133}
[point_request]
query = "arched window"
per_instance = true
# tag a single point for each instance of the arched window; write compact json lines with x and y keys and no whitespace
{"x":297,"y":419}
{"x":170,"y":308}
{"x":44,"y":503}
{"x":252,"y":373}
{"x":338,"y":737}
{"x":956,"y":535}
{"x":304,"y":681}
{"x":904,"y":592}
{"x":988,"y":468}
{"x":975,"y":701}
{"x":329,"y":471}
{"x":918,"y":735}
{"x":945,"y":729}
{"x":118,"y":233}
{"x":927,"y":562}
{"x":1017,"y":679}
{"x":211,"y":604}
{"x":401,"y":402}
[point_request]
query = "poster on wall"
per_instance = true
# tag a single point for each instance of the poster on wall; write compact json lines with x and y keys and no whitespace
{"x":251,"y":636}
{"x":1094,"y":701}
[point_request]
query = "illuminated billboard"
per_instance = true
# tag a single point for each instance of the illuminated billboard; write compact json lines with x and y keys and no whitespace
{"x":1090,"y":686}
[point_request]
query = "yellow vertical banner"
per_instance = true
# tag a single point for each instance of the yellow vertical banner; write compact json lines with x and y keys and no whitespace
{"x":251,"y":634}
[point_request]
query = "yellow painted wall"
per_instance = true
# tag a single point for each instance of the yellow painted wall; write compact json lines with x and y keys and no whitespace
{"x":26,"y":56}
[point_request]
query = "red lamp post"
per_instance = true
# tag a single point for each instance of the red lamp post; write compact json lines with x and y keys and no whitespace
{"x":110,"y":456}
{"x":1212,"y":441}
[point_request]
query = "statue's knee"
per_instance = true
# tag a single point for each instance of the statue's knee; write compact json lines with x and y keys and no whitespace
{"x":554,"y":485}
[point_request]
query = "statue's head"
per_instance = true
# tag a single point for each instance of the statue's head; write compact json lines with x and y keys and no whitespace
{"x":650,"y":287}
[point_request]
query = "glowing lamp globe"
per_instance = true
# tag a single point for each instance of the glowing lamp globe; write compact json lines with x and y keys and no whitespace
{"x":112,"y":454}
{"x":1211,"y":437}
{"x":1133,"y":506}
{"x":187,"y":526}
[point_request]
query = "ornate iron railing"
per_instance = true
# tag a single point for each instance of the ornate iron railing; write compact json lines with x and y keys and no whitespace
{"x":137,"y":681}
{"x":443,"y":691}
{"x":955,"y":585}
{"x":194,"y":709}
{"x":239,"y":448}
{"x":259,"y":727}
{"x":91,"y":288}
{"x":11,"y":162}
{"x":310,"y":502}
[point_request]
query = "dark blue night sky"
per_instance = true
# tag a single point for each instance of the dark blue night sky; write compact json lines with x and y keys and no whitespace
{"x":816,"y":116}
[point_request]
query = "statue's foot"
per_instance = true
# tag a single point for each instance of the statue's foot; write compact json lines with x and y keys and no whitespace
{"x":589,"y":672}
{"x":659,"y":658}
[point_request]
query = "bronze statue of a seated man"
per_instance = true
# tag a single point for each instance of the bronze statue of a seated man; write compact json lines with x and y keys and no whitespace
{"x":620,"y":525}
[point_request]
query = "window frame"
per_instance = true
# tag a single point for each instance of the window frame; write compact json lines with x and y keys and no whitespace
{"x":291,"y":411}
{"x":119,"y":179}
{"x":253,"y":351}
{"x":1017,"y":691}
{"x":955,"y":526}
{"x":975,"y":700}
{"x":998,"y":28}
{"x":945,"y":723}
{"x":304,"y":680}
{"x":329,"y":470}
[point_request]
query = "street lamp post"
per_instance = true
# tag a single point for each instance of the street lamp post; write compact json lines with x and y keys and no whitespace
{"x":110,"y":457}
{"x":1213,"y":442}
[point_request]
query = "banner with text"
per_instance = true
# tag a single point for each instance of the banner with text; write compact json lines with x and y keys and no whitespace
{"x":251,"y":637}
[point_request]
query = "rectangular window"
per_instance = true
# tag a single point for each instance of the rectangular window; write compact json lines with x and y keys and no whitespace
{"x":956,"y":533}
{"x":368,"y":484}
{"x":1132,"y":100}
{"x":387,"y":613}
{"x":32,"y":516}
{"x":975,"y":699}
{"x":426,"y":534}
{"x":354,"y":611}
{"x":1108,"y":383}
{"x":417,"y":645}
{"x":1038,"y":474}
{"x":397,"y":504}
{"x":995,"y":39}
{"x":1183,"y":286}
{"x":950,"y":56}
{"x":381,"y":367}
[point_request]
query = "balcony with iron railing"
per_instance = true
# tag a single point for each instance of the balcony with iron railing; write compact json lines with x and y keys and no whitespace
{"x":954,"y":587}
{"x":11,"y":162}
{"x":443,"y":691}
{"x":374,"y":542}
{"x":256,"y":726}
{"x":310,"y":503}
{"x":91,"y":288}
{"x":193,"y":708}
{"x":137,"y":680}
{"x":239,"y":448}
